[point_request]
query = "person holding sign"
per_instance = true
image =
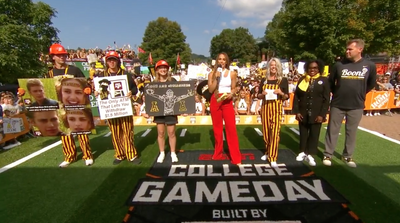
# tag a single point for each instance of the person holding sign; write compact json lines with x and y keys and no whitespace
{"x":121,"y":128}
{"x":222,"y":86}
{"x":59,"y":55}
{"x":167,"y":121}
{"x":310,"y":104}
{"x":275,"y":91}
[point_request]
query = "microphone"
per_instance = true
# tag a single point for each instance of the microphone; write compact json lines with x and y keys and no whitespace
{"x":219,"y":69}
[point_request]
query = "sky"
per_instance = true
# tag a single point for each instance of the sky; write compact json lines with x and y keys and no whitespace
{"x":85,"y":23}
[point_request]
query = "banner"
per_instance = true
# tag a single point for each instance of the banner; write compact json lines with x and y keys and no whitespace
{"x":112,"y":97}
{"x":379,"y":100}
{"x":171,"y":98}
{"x":58,"y":106}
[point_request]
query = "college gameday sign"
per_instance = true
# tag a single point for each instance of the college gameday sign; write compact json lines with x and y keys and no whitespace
{"x":199,"y":189}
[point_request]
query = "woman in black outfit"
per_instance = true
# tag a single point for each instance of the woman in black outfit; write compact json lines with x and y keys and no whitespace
{"x":311,"y":103}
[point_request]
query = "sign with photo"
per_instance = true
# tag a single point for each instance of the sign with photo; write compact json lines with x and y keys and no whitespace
{"x":58,"y":106}
{"x":40,"y":94}
{"x":170,"y":98}
{"x":111,"y":94}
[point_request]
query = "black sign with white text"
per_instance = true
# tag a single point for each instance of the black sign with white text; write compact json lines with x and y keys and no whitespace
{"x":169,"y":98}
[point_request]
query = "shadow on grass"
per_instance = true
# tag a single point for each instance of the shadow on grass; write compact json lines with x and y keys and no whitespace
{"x":189,"y":138}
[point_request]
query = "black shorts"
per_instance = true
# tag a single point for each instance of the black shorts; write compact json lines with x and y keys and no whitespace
{"x":168,"y":120}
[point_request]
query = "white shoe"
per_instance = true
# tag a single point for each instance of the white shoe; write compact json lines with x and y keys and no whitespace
{"x":174,"y":157}
{"x":301,"y":156}
{"x":327,"y":161}
{"x":274,"y":165}
{"x":265,"y":157}
{"x":161,"y":158}
{"x":310,"y":160}
{"x":64,"y":164}
{"x":89,"y":162}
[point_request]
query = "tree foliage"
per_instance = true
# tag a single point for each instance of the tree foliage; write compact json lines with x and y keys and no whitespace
{"x":165,"y":39}
{"x":197,"y":58}
{"x":309,"y":29}
{"x":237,"y":43}
{"x":25,"y":32}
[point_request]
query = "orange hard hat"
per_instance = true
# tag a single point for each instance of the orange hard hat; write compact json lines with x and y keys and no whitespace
{"x":112,"y":54}
{"x":162,"y":63}
{"x":57,"y":49}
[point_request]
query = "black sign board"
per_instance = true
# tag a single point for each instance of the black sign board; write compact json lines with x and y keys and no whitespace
{"x":170,"y":98}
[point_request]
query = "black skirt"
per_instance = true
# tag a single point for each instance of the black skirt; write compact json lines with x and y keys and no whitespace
{"x":168,"y":120}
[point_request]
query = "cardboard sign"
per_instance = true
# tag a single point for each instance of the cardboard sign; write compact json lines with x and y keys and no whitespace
{"x":112,"y":99}
{"x":170,"y":98}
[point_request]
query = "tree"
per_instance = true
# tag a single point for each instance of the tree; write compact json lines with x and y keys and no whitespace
{"x":196,"y":58}
{"x":237,"y":43}
{"x":309,"y":29}
{"x":26,"y":31}
{"x":165,"y":39}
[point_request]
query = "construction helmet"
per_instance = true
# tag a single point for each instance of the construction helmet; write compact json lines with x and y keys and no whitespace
{"x":112,"y":54}
{"x":161,"y":63}
{"x":57,"y":49}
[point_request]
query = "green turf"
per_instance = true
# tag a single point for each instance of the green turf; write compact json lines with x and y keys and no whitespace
{"x":39,"y":191}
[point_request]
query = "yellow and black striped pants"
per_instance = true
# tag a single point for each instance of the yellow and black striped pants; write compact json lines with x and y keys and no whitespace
{"x":271,"y":116}
{"x":122,"y":137}
{"x":69,"y":147}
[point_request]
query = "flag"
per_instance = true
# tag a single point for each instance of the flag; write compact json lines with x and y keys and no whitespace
{"x":178,"y":60}
{"x":150,"y":59}
{"x":140,"y":50}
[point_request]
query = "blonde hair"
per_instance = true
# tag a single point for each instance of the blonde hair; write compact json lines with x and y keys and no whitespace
{"x":157,"y":78}
{"x":279,"y":71}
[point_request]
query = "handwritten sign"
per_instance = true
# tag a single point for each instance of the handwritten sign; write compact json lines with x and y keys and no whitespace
{"x":12,"y":125}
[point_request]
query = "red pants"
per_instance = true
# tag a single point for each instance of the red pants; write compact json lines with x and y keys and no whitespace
{"x":220,"y":112}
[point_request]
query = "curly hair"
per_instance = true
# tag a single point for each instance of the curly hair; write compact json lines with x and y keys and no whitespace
{"x":319,"y":62}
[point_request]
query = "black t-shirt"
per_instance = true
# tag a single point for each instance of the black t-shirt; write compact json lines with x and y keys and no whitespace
{"x":72,"y":70}
{"x":350,"y":82}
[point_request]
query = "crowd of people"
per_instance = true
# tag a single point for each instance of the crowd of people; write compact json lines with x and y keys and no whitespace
{"x":264,"y":92}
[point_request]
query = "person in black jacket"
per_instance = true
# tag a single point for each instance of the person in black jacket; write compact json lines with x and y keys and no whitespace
{"x":310,"y":104}
{"x":350,"y":79}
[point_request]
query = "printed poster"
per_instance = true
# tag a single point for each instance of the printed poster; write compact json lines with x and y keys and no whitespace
{"x":112,"y":97}
{"x":58,"y":106}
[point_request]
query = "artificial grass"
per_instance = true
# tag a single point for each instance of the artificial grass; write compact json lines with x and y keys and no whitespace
{"x":39,"y":191}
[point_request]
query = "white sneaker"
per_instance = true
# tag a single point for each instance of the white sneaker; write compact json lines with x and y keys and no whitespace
{"x":89,"y":162}
{"x":265,"y":157}
{"x":301,"y":156}
{"x":274,"y":165}
{"x":327,"y":161}
{"x":350,"y":162}
{"x":174,"y":157}
{"x":161,"y":157}
{"x":310,"y":160}
{"x":64,"y":164}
